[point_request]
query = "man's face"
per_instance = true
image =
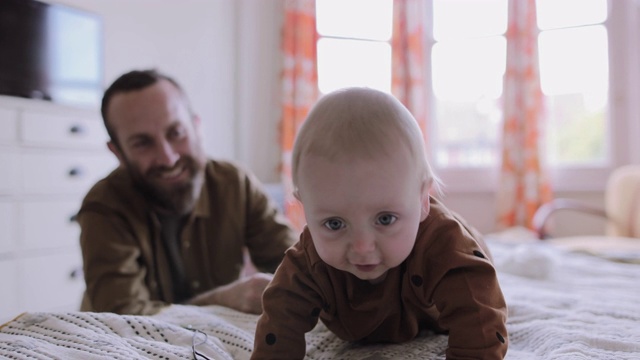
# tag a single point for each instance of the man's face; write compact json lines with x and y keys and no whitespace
{"x":159,"y":144}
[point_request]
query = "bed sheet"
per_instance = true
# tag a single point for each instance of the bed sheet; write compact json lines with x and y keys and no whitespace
{"x":562,"y":305}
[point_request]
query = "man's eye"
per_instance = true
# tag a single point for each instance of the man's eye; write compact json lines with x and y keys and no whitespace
{"x":387,"y":219}
{"x":334,"y":224}
{"x":177,"y":133}
{"x":140,"y":144}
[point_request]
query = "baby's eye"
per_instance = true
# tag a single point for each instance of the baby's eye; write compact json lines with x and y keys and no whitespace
{"x":334,"y":224}
{"x":386,"y":219}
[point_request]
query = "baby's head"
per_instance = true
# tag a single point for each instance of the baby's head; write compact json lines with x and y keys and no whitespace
{"x":360,"y":171}
{"x":360,"y":122}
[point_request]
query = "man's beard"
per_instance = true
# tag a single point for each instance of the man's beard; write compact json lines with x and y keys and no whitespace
{"x":177,"y":199}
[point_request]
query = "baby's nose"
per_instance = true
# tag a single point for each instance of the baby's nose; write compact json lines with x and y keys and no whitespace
{"x":363,"y":243}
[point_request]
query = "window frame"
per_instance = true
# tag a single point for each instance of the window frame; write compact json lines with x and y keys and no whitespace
{"x":622,"y":24}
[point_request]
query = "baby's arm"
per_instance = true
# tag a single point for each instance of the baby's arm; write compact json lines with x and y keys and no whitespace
{"x":291,"y":305}
{"x":473,"y":310}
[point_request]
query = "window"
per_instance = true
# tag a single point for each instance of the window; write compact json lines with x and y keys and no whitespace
{"x":468,"y":64}
{"x":354,"y":49}
{"x":574,"y":75}
{"x":467,"y":60}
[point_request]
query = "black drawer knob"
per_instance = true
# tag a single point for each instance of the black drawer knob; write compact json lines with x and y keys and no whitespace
{"x":75,"y":172}
{"x":76,"y":273}
{"x":76,"y":129}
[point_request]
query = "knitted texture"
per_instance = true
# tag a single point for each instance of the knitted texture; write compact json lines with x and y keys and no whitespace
{"x":581,"y":307}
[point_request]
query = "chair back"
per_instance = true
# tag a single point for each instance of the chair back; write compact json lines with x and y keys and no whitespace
{"x":622,"y":202}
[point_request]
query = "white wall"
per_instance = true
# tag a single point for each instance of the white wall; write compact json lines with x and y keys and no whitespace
{"x":258,"y":96}
{"x":191,"y":40}
{"x":225,"y":53}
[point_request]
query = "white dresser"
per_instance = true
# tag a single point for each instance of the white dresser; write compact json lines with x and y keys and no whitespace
{"x":50,"y":155}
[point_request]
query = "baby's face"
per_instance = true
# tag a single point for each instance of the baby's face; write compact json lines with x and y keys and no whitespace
{"x":363,"y":214}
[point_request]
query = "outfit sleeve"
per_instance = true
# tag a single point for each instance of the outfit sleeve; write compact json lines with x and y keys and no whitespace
{"x":291,"y":306}
{"x":114,"y":277}
{"x":269,"y":233}
{"x":475,"y":316}
{"x":468,"y":296}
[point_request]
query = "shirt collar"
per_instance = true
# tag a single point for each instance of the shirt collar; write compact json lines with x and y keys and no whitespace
{"x":202,"y":207}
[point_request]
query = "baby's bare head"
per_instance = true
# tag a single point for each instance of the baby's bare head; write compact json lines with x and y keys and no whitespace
{"x":362,"y":123}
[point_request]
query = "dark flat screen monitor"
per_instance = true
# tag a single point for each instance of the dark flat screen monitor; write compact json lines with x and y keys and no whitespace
{"x":50,"y":51}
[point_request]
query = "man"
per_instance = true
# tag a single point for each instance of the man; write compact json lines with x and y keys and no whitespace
{"x":169,"y":225}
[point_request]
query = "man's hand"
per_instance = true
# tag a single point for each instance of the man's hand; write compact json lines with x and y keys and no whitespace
{"x":244,"y":294}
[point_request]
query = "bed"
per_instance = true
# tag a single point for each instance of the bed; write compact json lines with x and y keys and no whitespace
{"x":562,"y":305}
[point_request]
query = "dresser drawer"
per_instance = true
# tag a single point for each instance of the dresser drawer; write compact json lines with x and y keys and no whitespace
{"x":50,"y":282}
{"x":8,"y":227}
{"x":49,"y":224}
{"x":10,"y":177}
{"x":64,"y":172}
{"x":8,"y":125}
{"x":62,"y":130}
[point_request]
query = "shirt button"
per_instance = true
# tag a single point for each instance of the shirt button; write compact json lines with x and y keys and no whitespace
{"x":153,"y":285}
{"x":186,"y":244}
{"x":195,"y":284}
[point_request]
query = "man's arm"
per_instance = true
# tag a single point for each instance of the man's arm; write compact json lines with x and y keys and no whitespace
{"x":114,"y":274}
{"x":269,"y":232}
{"x":244,"y":294}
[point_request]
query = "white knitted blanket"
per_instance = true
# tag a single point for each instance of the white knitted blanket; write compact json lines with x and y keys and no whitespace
{"x":561,"y":306}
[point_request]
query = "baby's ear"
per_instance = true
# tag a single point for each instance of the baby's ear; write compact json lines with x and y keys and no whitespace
{"x":425,"y":199}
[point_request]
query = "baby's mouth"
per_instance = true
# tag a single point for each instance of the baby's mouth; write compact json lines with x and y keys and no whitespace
{"x":366,"y":267}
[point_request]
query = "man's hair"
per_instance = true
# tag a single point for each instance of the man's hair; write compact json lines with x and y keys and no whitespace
{"x":132,"y":81}
{"x":361,"y":122}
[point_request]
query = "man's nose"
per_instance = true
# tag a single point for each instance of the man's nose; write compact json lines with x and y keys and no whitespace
{"x":167,"y":155}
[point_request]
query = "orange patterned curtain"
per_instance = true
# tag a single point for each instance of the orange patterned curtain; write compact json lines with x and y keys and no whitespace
{"x":408,"y":60}
{"x":299,"y":88}
{"x":523,"y":182}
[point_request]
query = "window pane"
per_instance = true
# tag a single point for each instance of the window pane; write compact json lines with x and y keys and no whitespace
{"x":469,"y":69}
{"x":360,"y":19}
{"x":469,"y":18}
{"x":467,"y":84}
{"x":343,"y":63}
{"x":567,"y":13}
{"x":575,"y":77}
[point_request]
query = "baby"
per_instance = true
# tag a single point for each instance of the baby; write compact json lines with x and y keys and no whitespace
{"x":380,"y":260}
